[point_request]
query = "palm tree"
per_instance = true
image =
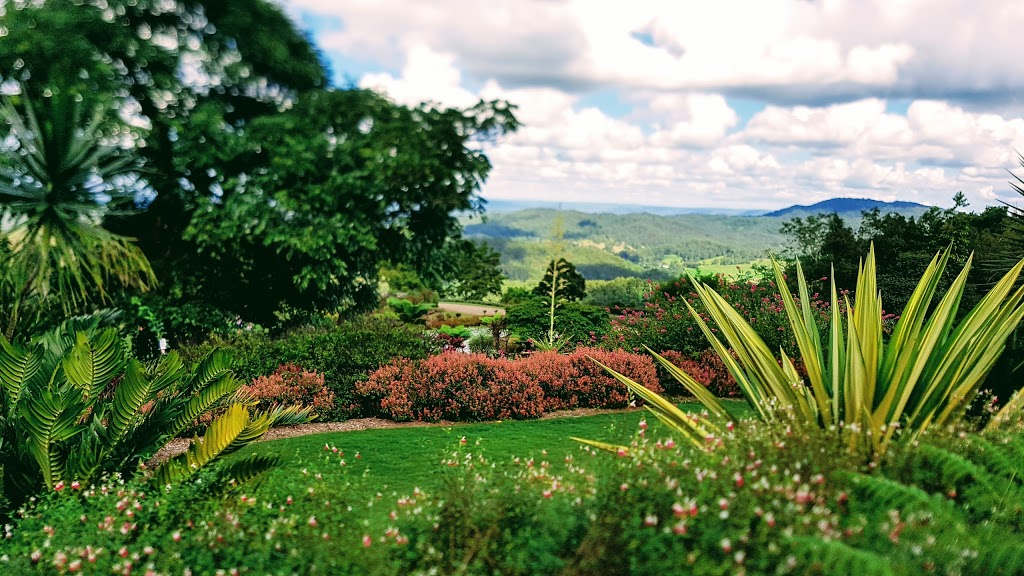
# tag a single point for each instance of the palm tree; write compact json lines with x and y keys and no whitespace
{"x":60,"y":177}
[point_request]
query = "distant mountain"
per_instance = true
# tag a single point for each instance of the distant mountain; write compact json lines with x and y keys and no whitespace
{"x":849,"y":206}
{"x":501,"y":206}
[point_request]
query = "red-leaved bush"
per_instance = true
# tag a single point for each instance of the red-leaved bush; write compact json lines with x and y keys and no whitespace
{"x":708,"y":369}
{"x":290,"y":384}
{"x":455,"y":386}
{"x":576,"y":381}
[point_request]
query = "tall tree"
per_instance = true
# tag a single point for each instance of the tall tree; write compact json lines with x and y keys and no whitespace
{"x":159,"y":62}
{"x":329,"y":189}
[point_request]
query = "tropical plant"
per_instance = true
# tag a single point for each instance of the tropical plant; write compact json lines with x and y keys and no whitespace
{"x":924,"y":376}
{"x":410,"y":313}
{"x":562,"y":279}
{"x":55,"y":186}
{"x":76,"y":407}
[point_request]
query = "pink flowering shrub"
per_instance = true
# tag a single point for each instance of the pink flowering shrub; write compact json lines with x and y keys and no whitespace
{"x":463,"y":387}
{"x":575,"y":381}
{"x":665,"y":322}
{"x":290,"y":384}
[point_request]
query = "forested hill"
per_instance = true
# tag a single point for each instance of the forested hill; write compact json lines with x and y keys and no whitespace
{"x":604,"y":246}
{"x":850,"y":206}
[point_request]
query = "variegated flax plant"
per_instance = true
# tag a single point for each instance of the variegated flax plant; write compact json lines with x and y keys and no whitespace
{"x":925,"y":375}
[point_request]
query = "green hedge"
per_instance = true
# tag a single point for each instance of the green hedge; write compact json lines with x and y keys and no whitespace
{"x":344,"y":354}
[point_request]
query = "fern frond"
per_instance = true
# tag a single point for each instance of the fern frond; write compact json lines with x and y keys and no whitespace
{"x":260,"y":422}
{"x":244,"y":471}
{"x":219,"y":436}
{"x":881,"y":493}
{"x":50,"y":419}
{"x":838,"y":559}
{"x":134,"y":391}
{"x":17,"y":366}
{"x":91,"y":364}
{"x":203,"y":399}
{"x":215,"y":366}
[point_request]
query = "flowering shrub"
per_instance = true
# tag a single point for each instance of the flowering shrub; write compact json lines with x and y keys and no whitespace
{"x":291,"y":384}
{"x":707,"y":368}
{"x":576,"y":381}
{"x":477,"y":387}
{"x":453,"y":386}
{"x":665,"y":322}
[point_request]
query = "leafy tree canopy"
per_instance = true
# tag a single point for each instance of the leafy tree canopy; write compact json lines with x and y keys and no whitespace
{"x":327,"y":190}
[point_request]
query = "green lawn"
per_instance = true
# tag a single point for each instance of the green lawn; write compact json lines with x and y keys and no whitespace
{"x":394,"y":461}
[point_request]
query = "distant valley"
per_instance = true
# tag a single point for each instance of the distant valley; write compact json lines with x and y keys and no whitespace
{"x":644,"y":242}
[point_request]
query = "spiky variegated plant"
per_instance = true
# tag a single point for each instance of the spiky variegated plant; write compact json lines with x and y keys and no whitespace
{"x":925,"y":375}
{"x":75,"y":408}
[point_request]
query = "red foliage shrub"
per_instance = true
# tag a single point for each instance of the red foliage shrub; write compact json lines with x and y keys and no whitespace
{"x":708,"y":369}
{"x":576,"y":381}
{"x":290,"y":384}
{"x":453,"y":386}
{"x":457,"y":386}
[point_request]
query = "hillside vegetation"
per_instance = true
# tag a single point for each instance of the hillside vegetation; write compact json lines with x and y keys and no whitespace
{"x":605,"y":246}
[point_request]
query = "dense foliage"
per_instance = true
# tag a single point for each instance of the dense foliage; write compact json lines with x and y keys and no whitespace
{"x":665,"y":322}
{"x":468,"y":387}
{"x":344,"y":354}
{"x":76,"y":408}
{"x":763,"y":502}
{"x":575,"y":323}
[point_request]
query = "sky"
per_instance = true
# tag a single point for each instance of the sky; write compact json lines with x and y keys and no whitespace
{"x":749,"y":104}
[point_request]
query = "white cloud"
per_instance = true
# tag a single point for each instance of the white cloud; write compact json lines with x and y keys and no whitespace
{"x":828,"y":71}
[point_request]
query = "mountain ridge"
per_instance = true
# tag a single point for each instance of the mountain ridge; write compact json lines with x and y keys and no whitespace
{"x":847,"y":205}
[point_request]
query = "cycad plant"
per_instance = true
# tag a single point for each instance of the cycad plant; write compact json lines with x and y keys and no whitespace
{"x":868,"y":388}
{"x":75,"y":407}
{"x":56,"y":183}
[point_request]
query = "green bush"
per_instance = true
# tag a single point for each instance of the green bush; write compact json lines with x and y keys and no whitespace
{"x":617,"y":293}
{"x":575,"y":323}
{"x":344,"y":354}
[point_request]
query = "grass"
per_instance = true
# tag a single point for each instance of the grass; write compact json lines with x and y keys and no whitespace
{"x":396,"y":460}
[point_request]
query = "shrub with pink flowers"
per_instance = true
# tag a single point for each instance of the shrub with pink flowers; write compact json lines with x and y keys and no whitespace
{"x":707,"y":368}
{"x":461,"y":387}
{"x":665,"y":321}
{"x":291,"y":384}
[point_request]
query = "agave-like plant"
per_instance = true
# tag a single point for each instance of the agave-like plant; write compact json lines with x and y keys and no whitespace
{"x":75,"y":407}
{"x":55,"y":186}
{"x":925,"y":375}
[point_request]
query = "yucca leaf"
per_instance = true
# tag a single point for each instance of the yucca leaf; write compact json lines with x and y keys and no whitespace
{"x":699,"y":391}
{"x":613,"y":448}
{"x":695,"y":429}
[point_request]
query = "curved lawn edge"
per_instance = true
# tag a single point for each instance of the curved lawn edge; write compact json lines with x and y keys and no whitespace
{"x":179,"y":445}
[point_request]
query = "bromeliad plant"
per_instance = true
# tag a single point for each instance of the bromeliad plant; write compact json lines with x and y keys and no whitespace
{"x":74,"y":408}
{"x":867,"y":388}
